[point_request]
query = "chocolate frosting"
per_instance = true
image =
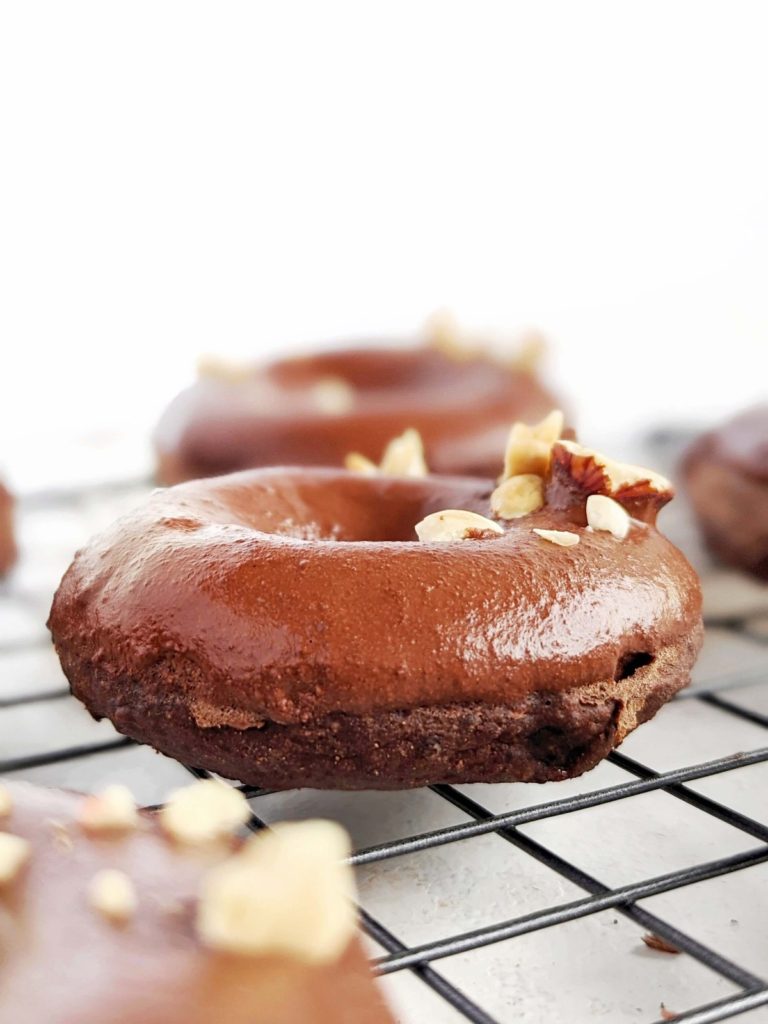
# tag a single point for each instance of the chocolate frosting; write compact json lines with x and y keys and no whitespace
{"x":726,"y":473}
{"x":62,"y":963}
{"x":7,"y":541}
{"x":742,"y":442}
{"x":462,"y":408}
{"x":293,"y":593}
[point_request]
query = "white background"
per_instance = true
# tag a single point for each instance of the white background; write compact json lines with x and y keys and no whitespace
{"x":247,"y":178}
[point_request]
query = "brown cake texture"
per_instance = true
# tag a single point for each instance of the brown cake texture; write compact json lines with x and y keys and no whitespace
{"x":100,"y":923}
{"x":313,"y":410}
{"x":726,"y":476}
{"x":317,"y":627}
{"x":7,"y":541}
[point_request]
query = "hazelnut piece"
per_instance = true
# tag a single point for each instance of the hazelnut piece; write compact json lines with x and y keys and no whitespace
{"x":563,"y":538}
{"x":112,"y":894}
{"x":456,"y":524}
{"x":111,"y":810}
{"x":529,"y":448}
{"x":605,"y":514}
{"x":403,"y":456}
{"x":287,"y":892}
{"x":518,"y":496}
{"x":204,"y":812}
{"x":576,"y":472}
{"x":14,"y":853}
{"x":333,"y":396}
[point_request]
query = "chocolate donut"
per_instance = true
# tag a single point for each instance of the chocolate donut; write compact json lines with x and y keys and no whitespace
{"x":285,"y":626}
{"x":103,"y":926}
{"x":7,"y":542}
{"x":313,"y":410}
{"x":726,"y":475}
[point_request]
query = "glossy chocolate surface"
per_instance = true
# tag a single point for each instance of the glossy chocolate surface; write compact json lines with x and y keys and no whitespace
{"x":462,"y":408}
{"x":293,"y":593}
{"x":61,"y":962}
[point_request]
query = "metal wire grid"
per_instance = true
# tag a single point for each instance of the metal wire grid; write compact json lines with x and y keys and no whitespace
{"x":420,"y":959}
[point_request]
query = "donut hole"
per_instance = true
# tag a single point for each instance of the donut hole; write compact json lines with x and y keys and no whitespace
{"x":629,"y":663}
{"x":325,"y":505}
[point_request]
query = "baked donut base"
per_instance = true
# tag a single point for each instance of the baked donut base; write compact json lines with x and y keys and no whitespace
{"x":544,"y":736}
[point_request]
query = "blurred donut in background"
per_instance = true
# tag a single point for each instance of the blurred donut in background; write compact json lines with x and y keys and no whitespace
{"x":726,"y":473}
{"x":312,"y":410}
{"x":7,"y":541}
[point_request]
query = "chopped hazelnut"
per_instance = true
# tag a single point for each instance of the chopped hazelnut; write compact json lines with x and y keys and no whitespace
{"x":456,"y":524}
{"x":403,"y":456}
{"x":287,"y":892}
{"x":442,"y":332}
{"x":605,"y":514}
{"x":333,"y":396}
{"x":111,"y":810}
{"x":518,"y":496}
{"x":563,"y":538}
{"x":6,"y":802}
{"x":14,"y":853}
{"x":221,"y":368}
{"x":204,"y":811}
{"x":529,"y":448}
{"x":576,"y":472}
{"x":357,"y":463}
{"x":620,"y":475}
{"x":112,"y":894}
{"x":530,"y":352}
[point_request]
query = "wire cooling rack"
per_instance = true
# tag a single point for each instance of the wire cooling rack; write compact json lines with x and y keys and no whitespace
{"x":40,"y":725}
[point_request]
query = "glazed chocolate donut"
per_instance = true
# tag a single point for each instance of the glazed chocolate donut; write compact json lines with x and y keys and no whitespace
{"x":313,"y":410}
{"x":7,"y":542}
{"x":286,"y":628}
{"x":726,"y":475}
{"x":103,"y":927}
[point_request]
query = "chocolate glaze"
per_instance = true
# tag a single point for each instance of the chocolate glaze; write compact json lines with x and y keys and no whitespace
{"x":62,"y":963}
{"x":726,"y":475}
{"x":7,"y":542}
{"x":285,"y":595}
{"x":742,"y":442}
{"x":462,"y":408}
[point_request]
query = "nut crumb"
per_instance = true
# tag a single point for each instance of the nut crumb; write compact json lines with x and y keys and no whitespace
{"x":6,"y":802}
{"x":529,"y":448}
{"x":221,"y":368}
{"x":288,"y":891}
{"x":443,"y":333}
{"x":667,"y":1014}
{"x":530,"y":352}
{"x":403,"y":456}
{"x":112,"y":894}
{"x":518,"y":496}
{"x":14,"y":853}
{"x":333,"y":396}
{"x":357,"y":463}
{"x":456,"y":524}
{"x":113,"y":809}
{"x":607,"y":516}
{"x":661,"y":945}
{"x":204,"y":812}
{"x":563,"y":538}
